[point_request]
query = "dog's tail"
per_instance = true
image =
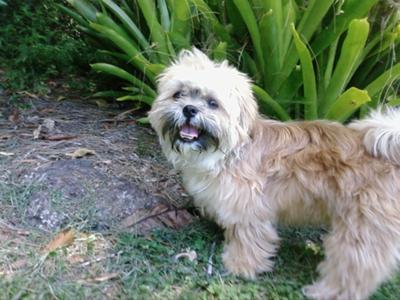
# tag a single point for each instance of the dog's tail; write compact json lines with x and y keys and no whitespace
{"x":381,"y":133}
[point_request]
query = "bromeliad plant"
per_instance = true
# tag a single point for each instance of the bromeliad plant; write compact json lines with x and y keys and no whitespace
{"x":141,"y":39}
{"x":309,"y":59}
{"x":318,"y":58}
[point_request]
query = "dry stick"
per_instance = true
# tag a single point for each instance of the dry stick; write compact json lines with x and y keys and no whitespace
{"x":210,"y":260}
{"x":167,"y":210}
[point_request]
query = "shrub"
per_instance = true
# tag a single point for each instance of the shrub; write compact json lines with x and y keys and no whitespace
{"x":37,"y":42}
{"x":308,"y":59}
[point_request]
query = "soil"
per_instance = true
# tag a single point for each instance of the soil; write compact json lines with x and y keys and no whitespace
{"x":67,"y":161}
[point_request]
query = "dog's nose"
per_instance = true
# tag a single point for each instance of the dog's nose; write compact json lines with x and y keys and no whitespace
{"x":190,"y":111}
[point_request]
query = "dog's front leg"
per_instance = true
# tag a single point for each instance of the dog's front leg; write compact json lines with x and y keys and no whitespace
{"x":249,"y":248}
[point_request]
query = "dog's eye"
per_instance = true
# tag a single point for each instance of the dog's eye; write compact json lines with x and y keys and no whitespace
{"x":212,"y":103}
{"x":177,"y":95}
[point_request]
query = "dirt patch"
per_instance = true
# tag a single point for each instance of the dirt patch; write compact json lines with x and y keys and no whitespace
{"x":120,"y":175}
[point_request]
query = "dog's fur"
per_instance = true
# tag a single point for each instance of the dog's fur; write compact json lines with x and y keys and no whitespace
{"x":250,"y":173}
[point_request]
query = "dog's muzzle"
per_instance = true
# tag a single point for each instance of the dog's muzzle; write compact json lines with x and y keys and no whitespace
{"x":197,"y":135}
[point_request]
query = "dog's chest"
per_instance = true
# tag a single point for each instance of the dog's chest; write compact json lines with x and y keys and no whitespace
{"x":207,"y":195}
{"x":225,"y":198}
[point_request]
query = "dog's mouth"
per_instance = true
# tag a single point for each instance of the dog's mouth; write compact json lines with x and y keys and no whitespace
{"x":189,"y":133}
{"x":198,"y":136}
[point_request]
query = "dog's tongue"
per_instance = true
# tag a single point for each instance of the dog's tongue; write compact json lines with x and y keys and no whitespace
{"x":189,"y":132}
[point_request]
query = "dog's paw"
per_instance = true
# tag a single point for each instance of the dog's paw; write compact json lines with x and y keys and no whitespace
{"x":319,"y":291}
{"x":245,"y":266}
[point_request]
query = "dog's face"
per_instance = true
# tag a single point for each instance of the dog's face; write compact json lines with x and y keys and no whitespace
{"x":202,"y":107}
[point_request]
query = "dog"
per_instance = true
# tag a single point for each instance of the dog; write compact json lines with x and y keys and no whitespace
{"x":250,"y":173}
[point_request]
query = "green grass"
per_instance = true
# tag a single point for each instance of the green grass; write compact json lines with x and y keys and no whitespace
{"x":152,"y":271}
{"x":144,"y":266}
{"x":147,"y":269}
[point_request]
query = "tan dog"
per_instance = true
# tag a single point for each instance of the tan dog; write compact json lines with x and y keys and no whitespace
{"x":250,"y":173}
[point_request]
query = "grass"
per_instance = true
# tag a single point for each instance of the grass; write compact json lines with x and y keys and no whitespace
{"x":147,"y":269}
{"x":123,"y":265}
{"x":159,"y":276}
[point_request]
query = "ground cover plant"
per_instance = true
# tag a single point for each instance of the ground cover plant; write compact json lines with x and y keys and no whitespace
{"x":309,"y":59}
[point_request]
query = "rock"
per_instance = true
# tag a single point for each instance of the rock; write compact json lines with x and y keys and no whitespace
{"x":74,"y":190}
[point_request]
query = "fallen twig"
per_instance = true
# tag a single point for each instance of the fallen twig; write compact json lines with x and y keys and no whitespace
{"x":59,"y":137}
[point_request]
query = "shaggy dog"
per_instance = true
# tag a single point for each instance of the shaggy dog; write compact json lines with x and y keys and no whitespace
{"x":250,"y":173}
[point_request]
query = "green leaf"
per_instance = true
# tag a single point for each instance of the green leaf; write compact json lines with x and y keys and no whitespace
{"x":249,"y":19}
{"x":81,"y":21}
{"x":181,"y":18}
{"x":106,"y":21}
{"x":312,"y":17}
{"x":352,"y":9}
{"x":179,"y":41}
{"x":309,"y":23}
{"x":382,"y":81}
{"x":164,"y":15}
{"x":128,"y":23}
{"x":157,"y":34}
{"x":130,"y":89}
{"x":135,"y":57}
{"x":394,"y":102}
{"x":219,"y":29}
{"x":140,"y":98}
{"x":155,"y":68}
{"x":143,"y":121}
{"x":92,"y":33}
{"x":330,"y":63}
{"x":347,"y":104}
{"x":85,"y":8}
{"x":266,"y":101}
{"x":107,"y":94}
{"x":391,"y":32}
{"x":271,"y":35}
{"x":121,"y":56}
{"x":310,"y":89}
{"x":239,"y":28}
{"x":250,"y":66}
{"x":219,"y":52}
{"x":121,"y":73}
{"x":290,"y":13}
{"x":352,"y":48}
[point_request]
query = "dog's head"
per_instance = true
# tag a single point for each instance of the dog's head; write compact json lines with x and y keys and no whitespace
{"x":202,"y":107}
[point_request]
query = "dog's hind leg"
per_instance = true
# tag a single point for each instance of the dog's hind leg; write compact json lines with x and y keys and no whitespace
{"x":249,"y":248}
{"x":358,"y":257}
